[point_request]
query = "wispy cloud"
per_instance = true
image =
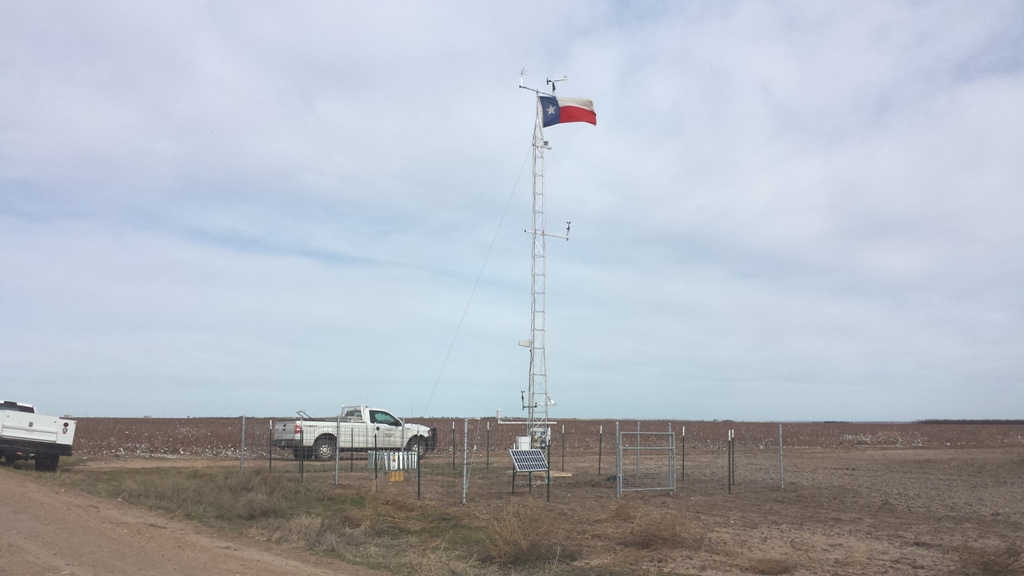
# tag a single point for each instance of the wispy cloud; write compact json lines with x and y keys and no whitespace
{"x":786,"y":211}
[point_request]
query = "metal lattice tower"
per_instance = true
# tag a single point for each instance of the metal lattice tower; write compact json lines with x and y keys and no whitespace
{"x":537,"y":396}
{"x":536,"y":400}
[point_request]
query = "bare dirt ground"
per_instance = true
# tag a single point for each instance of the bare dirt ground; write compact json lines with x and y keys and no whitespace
{"x":45,"y":530}
{"x":859,"y":499}
{"x":874,"y":511}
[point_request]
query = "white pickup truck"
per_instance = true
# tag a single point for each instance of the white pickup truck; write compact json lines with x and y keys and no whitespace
{"x":25,"y":435}
{"x":356,"y":429}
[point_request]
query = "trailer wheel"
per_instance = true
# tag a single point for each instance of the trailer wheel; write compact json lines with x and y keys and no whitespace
{"x":323,"y":449}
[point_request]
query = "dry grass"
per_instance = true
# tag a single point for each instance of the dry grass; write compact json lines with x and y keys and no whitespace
{"x":365,"y":527}
{"x":522,"y":535}
{"x":1001,"y":560}
{"x":650,"y":528}
{"x":229,"y":498}
{"x":636,"y":534}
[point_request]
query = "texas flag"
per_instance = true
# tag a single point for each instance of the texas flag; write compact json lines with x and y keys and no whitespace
{"x":562,"y":110}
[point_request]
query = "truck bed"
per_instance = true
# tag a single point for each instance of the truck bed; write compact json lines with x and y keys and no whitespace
{"x":35,"y":434}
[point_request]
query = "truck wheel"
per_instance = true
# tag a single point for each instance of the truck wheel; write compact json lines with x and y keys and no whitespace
{"x":323,"y":449}
{"x":417,"y":445}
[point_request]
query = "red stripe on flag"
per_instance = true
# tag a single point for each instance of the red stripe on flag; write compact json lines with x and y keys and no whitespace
{"x":577,"y":114}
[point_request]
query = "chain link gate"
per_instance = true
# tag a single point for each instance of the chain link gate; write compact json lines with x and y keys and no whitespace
{"x":644,"y":461}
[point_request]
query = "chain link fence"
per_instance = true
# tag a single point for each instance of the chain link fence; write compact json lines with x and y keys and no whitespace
{"x":471,"y":460}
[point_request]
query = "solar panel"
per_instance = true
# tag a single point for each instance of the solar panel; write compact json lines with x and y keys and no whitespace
{"x":529,"y":460}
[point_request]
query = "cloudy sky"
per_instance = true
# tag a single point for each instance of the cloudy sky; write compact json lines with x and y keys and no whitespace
{"x":787,"y":210}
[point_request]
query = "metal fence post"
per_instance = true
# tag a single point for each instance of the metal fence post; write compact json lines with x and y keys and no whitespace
{"x":465,"y":460}
{"x":337,"y":448}
{"x":241,"y":463}
{"x":618,"y":461}
{"x":682,"y":457}
{"x":671,"y":460}
{"x":782,"y":472}
{"x":600,"y":440}
{"x":728,"y":460}
{"x":563,"y":449}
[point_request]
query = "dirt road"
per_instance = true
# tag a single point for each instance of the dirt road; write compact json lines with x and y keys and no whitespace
{"x":45,"y":530}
